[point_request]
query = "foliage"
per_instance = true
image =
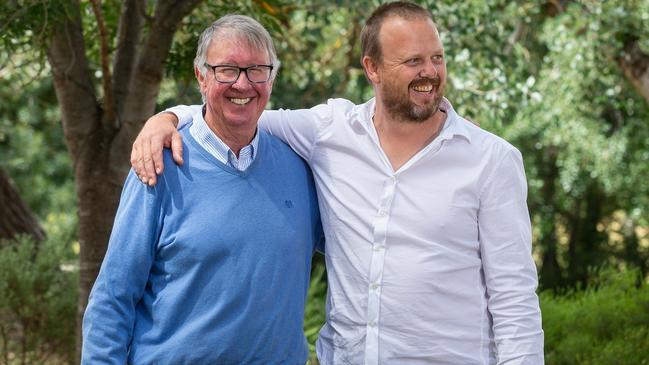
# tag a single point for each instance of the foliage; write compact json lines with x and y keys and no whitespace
{"x":32,"y":146}
{"x":607,"y":323}
{"x":582,"y":132}
{"x":314,"y":313}
{"x":544,"y":75}
{"x":33,"y":149}
{"x":37,"y":302}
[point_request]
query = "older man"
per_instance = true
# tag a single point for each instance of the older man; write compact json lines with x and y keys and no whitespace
{"x":211,"y":266}
{"x":428,"y":233}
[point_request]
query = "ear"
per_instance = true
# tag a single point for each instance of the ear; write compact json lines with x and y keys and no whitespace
{"x":371,"y":69}
{"x":202,"y":80}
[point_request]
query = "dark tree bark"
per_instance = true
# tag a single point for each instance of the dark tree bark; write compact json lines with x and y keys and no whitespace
{"x":15,"y":216}
{"x":584,"y":250}
{"x":550,"y":272}
{"x":635,"y":65}
{"x":99,"y":136}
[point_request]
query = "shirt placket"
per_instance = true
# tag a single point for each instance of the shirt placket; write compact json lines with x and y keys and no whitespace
{"x":376,"y":272}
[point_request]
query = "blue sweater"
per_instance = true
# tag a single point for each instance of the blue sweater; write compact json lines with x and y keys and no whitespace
{"x":210,"y":266}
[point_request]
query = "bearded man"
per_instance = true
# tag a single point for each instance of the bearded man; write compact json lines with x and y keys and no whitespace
{"x":428,"y":236}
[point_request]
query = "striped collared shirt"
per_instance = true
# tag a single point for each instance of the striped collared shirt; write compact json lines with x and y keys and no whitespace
{"x":217,"y":148}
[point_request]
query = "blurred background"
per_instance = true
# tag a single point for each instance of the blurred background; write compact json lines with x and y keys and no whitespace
{"x":567,"y":82}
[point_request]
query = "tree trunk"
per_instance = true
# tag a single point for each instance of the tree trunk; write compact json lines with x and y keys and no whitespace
{"x":550,"y":273}
{"x":98,"y":189}
{"x":585,"y":250}
{"x":99,"y":142}
{"x":15,"y":217}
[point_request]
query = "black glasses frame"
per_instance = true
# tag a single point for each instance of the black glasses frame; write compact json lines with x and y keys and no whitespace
{"x":244,"y":69}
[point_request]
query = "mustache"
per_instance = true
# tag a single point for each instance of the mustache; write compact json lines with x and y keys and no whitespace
{"x":435,"y":81}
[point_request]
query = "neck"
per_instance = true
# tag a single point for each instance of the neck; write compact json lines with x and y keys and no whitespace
{"x":401,"y":140}
{"x":234,"y":137}
{"x":395,"y":127}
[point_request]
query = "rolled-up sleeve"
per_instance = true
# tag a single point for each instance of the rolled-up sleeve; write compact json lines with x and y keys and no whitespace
{"x":510,"y":273}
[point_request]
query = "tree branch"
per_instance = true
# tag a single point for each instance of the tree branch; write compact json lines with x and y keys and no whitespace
{"x":72,"y":83}
{"x":144,"y":85}
{"x":15,"y":217}
{"x":128,"y":38}
{"x":105,"y":68}
{"x":149,"y":69}
{"x":635,"y":65}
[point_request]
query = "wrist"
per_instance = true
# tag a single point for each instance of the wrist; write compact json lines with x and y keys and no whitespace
{"x":170,"y":116}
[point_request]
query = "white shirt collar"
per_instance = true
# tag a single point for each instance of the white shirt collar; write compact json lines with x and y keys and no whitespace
{"x":455,"y":125}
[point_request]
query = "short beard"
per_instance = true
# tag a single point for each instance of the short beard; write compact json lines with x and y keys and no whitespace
{"x":401,"y":108}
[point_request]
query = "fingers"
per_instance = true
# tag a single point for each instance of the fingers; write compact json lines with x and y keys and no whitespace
{"x":147,"y":163}
{"x":136,"y":153}
{"x":177,"y":147}
{"x":157,"y":146}
{"x":147,"y":157}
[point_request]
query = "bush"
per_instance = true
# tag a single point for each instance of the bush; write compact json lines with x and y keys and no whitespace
{"x":314,"y":313}
{"x":607,"y":323}
{"x":37,"y":303}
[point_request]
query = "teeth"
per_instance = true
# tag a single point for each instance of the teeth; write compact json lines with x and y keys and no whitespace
{"x":423,"y":88}
{"x":240,"y":101}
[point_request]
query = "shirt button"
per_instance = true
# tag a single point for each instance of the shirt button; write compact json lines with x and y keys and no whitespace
{"x":374,"y":286}
{"x":378,"y":247}
{"x":382,"y":213}
{"x":372,"y":324}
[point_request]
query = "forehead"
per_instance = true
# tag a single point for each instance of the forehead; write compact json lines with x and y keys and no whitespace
{"x":400,"y":36}
{"x":235,"y":49}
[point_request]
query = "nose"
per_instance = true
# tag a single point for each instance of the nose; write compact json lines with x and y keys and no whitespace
{"x":429,"y":70}
{"x":242,"y":82}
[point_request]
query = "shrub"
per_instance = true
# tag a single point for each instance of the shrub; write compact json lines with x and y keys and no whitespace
{"x":37,"y":303}
{"x":607,"y":323}
{"x":314,"y":313}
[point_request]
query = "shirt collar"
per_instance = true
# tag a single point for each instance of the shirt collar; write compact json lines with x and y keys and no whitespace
{"x":455,"y":125}
{"x":212,"y":143}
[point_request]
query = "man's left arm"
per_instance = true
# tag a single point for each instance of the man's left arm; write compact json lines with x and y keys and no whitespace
{"x":510,"y":272}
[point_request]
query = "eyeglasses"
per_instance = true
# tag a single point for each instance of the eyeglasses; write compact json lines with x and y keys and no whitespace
{"x":229,"y":74}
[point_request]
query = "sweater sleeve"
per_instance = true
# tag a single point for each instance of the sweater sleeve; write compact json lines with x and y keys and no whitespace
{"x":110,"y":315}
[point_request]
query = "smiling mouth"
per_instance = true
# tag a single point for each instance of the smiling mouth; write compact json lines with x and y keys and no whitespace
{"x":423,"y":88}
{"x":240,"y":101}
{"x":425,"y":85}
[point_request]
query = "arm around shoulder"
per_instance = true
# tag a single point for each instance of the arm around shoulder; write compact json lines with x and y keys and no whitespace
{"x":160,"y":132}
{"x":300,"y":128}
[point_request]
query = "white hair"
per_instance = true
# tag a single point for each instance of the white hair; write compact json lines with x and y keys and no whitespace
{"x":240,"y":27}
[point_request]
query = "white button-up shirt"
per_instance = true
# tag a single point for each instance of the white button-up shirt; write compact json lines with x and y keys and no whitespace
{"x":430,"y":264}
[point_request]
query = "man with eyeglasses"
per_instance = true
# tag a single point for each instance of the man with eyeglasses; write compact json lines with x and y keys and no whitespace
{"x":212,"y":265}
